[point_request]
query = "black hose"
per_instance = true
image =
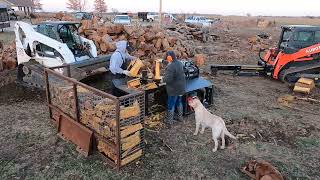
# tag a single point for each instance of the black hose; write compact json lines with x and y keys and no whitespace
{"x":260,"y":51}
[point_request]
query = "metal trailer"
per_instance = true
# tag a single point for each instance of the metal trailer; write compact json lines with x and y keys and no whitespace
{"x":71,"y":128}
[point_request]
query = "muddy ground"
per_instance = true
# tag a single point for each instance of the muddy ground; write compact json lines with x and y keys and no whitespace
{"x":284,"y":133}
{"x":288,"y":138}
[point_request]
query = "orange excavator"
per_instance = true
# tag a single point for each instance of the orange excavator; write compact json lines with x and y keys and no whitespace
{"x":297,"y":55}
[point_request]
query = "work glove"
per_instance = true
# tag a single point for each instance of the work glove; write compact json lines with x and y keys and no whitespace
{"x":127,"y":73}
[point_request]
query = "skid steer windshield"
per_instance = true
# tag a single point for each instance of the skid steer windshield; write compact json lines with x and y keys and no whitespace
{"x":69,"y":35}
{"x":287,"y":33}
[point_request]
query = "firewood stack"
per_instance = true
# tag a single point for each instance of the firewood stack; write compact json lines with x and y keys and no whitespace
{"x":99,"y":114}
{"x":95,"y":112}
{"x":149,"y":42}
{"x":8,"y":57}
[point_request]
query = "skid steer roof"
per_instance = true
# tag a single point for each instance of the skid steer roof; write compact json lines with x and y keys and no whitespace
{"x":301,"y":27}
{"x":56,"y":23}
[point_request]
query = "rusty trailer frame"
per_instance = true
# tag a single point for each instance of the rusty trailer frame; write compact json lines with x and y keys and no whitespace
{"x":72,"y":129}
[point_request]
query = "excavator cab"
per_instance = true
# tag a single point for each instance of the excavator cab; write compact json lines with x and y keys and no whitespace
{"x":296,"y":37}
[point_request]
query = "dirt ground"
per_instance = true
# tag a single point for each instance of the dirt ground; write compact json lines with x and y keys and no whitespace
{"x":287,"y":134}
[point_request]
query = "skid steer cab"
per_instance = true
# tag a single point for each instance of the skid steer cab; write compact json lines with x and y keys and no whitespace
{"x":297,"y":54}
{"x":54,"y":44}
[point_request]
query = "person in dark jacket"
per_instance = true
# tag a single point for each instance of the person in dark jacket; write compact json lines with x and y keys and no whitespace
{"x":175,"y":85}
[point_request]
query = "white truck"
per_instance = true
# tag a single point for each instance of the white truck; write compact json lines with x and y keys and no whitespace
{"x":52,"y":44}
{"x":151,"y":16}
{"x":122,"y":19}
{"x":199,"y":20}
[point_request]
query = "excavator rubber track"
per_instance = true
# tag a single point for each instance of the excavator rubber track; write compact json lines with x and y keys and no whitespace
{"x":292,"y":74}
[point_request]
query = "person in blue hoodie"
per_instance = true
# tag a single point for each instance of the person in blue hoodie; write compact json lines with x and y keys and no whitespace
{"x":176,"y":86}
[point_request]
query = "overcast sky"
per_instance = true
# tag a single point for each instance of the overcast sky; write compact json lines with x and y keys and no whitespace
{"x":225,"y":7}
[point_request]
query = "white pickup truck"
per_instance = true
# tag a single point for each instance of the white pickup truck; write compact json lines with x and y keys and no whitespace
{"x":199,"y":20}
{"x":151,"y":16}
{"x":122,"y":19}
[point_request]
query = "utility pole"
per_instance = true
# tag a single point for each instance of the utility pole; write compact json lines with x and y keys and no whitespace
{"x":160,"y":13}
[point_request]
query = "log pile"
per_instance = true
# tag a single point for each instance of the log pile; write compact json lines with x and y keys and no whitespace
{"x":256,"y":43}
{"x":149,"y":42}
{"x":194,"y":32}
{"x":8,"y":57}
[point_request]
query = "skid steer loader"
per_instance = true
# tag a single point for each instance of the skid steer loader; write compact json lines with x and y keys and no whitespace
{"x":53,"y":44}
{"x":297,"y":55}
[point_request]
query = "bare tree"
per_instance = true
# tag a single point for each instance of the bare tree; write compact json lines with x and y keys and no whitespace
{"x":100,"y":6}
{"x":37,"y":4}
{"x":77,"y":5}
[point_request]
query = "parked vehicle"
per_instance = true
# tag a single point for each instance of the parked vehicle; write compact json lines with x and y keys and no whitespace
{"x":122,"y":19}
{"x":12,"y":14}
{"x":148,"y":16}
{"x":169,"y":18}
{"x":142,"y":15}
{"x":83,"y":15}
{"x":4,"y":18}
{"x":199,"y":20}
{"x":151,"y":16}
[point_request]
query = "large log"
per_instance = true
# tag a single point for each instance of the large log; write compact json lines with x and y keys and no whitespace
{"x":165,"y":44}
{"x":149,"y":36}
{"x":158,"y":44}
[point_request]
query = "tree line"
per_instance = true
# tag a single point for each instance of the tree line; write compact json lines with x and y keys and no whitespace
{"x":100,"y":6}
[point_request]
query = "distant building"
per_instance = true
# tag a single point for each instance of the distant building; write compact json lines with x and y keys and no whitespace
{"x":25,"y":6}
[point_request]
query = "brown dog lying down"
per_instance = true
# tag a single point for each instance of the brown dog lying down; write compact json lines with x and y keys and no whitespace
{"x":261,"y":170}
{"x":206,"y":119}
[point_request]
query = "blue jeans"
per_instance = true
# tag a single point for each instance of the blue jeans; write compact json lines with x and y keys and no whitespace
{"x":173,"y":102}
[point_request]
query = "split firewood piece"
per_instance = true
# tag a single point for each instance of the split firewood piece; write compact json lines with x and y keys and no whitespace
{"x":304,"y":85}
{"x":104,"y":148}
{"x":131,"y":141}
{"x":131,"y":158}
{"x":131,"y":111}
{"x":127,"y":130}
